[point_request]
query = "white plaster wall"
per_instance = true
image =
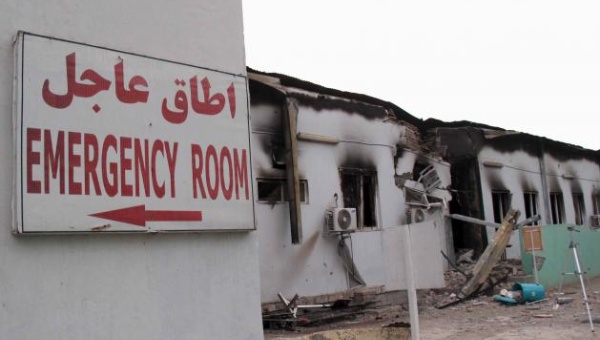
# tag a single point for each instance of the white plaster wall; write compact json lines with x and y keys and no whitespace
{"x":586,"y":181}
{"x":442,"y":224}
{"x":314,"y":266}
{"x":175,"y":286}
{"x":428,"y":264}
{"x":521,"y":173}
{"x":441,"y":218}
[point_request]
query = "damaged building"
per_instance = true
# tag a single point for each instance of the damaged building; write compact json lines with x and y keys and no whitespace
{"x":494,"y":170}
{"x":336,"y":174}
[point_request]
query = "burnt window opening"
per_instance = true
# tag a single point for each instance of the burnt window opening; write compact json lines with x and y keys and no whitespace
{"x":557,"y":208}
{"x":579,"y":207}
{"x":501,"y":203}
{"x":278,"y":152}
{"x":274,"y":190}
{"x":531,"y":205}
{"x":359,"y":190}
{"x":596,"y":202}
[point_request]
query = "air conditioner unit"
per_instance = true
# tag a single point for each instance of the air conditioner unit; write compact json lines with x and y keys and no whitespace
{"x":416,"y":215}
{"x":341,"y":220}
{"x":595,"y":221}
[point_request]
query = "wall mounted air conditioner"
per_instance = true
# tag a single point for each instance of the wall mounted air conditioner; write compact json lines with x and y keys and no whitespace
{"x":416,"y":215}
{"x":341,"y":220}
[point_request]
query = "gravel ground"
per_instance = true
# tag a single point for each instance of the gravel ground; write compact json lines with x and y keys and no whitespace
{"x":483,"y":318}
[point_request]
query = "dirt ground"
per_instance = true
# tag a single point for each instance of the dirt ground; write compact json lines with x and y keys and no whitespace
{"x":483,"y":318}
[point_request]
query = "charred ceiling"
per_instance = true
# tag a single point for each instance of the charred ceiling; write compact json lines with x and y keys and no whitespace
{"x":459,"y":139}
{"x":535,"y":145}
{"x":361,"y":99}
{"x":264,"y":94}
{"x":467,"y":140}
{"x":320,"y":103}
{"x":460,"y":143}
{"x":432,"y":123}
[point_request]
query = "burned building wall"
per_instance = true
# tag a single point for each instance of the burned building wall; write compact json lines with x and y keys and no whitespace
{"x":521,"y":176}
{"x":580,"y":176}
{"x":494,"y":169}
{"x":468,"y":202}
{"x":508,"y":176}
{"x":333,"y":146}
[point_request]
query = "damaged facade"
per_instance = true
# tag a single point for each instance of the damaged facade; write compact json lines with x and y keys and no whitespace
{"x":494,"y":170}
{"x":317,"y":151}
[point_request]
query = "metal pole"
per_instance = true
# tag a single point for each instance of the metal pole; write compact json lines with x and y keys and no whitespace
{"x":532,"y":219}
{"x":474,"y":220}
{"x":410,"y":284}
{"x":579,"y":273}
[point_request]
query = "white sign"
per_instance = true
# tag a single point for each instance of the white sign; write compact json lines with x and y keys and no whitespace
{"x":115,"y":142}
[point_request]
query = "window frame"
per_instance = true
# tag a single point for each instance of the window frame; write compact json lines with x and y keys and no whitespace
{"x":596,"y":203}
{"x":557,"y":207}
{"x":283,"y":196}
{"x":578,"y":208}
{"x":501,"y":199}
{"x":530,"y":199}
{"x":371,"y":204}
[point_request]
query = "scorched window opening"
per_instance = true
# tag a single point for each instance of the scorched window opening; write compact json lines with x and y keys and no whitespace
{"x":359,"y":190}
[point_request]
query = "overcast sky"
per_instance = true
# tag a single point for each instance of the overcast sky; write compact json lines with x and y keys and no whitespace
{"x":531,"y":66}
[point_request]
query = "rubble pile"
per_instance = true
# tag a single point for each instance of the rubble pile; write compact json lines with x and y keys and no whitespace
{"x":503,"y":275}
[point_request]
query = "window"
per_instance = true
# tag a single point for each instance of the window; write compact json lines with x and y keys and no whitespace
{"x":501,"y":202}
{"x":274,"y":190}
{"x":596,"y":202}
{"x":595,"y":219}
{"x":557,"y":207}
{"x":579,"y":207}
{"x":359,"y":190}
{"x":531,"y":208}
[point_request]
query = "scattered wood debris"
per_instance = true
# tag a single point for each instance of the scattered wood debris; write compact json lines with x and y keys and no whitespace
{"x":482,"y":276}
{"x":499,"y":278}
{"x":293,"y":315}
{"x":491,"y":255}
{"x":564,"y":300}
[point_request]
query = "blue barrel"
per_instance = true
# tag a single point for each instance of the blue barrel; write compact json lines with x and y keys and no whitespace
{"x":531,"y":291}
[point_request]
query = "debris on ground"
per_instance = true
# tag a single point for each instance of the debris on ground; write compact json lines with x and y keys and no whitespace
{"x":479,"y":316}
{"x":309,"y":317}
{"x":521,"y":293}
{"x":297,"y":314}
{"x":489,"y":258}
{"x":502,"y":276}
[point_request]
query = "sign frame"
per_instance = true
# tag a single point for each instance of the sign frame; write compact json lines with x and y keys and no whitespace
{"x":156,"y":170}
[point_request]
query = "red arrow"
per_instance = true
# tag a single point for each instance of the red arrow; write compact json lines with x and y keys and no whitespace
{"x":138,"y":215}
